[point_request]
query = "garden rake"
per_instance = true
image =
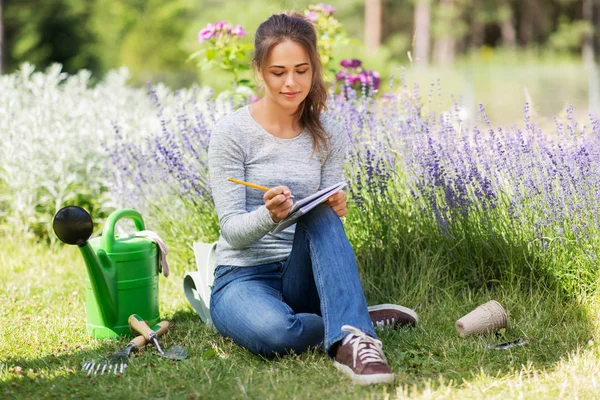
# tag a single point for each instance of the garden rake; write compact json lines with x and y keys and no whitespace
{"x":117,"y":362}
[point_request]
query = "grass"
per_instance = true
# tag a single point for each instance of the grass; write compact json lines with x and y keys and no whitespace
{"x":44,"y":342}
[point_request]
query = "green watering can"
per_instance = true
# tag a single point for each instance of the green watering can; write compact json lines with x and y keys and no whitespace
{"x":122,"y":272}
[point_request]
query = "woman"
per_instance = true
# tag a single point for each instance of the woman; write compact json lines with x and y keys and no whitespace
{"x":300,"y":288}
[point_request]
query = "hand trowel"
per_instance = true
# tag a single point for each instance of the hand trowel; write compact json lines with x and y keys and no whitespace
{"x":174,"y":352}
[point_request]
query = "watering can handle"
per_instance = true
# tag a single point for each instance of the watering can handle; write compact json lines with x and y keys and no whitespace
{"x":108,"y":234}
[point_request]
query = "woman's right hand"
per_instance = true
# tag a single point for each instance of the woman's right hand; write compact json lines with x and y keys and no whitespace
{"x":278,"y":202}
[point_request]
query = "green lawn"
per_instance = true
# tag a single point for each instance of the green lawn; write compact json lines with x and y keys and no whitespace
{"x":43,"y":343}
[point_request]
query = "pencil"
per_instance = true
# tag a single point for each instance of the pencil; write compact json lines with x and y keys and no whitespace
{"x":252,"y":185}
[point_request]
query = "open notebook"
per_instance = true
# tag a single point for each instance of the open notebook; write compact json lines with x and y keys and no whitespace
{"x":303,"y":206}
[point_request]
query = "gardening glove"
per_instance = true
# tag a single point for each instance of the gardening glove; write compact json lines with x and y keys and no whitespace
{"x":163,"y":266}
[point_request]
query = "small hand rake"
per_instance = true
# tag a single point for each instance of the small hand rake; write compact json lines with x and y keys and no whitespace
{"x":117,"y":362}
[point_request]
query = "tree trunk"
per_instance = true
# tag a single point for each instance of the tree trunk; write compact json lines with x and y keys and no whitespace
{"x":443,"y":49}
{"x":587,"y":49}
{"x":1,"y":41}
{"x":372,"y":25}
{"x":507,"y":25}
{"x":422,"y":21}
{"x":526,"y":25}
{"x":477,"y":26}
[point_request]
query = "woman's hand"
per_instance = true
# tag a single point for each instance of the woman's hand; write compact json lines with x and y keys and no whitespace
{"x":278,"y":202}
{"x":337,"y":202}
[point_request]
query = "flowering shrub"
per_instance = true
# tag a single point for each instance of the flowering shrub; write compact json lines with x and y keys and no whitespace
{"x":486,"y":191}
{"x":52,"y":128}
{"x":330,"y":34}
{"x":223,"y":48}
{"x":354,"y":77}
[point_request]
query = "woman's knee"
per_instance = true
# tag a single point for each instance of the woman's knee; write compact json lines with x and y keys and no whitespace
{"x":321,"y":218}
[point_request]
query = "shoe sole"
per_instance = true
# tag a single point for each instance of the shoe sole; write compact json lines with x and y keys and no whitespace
{"x":364,"y":379}
{"x":405,"y":310}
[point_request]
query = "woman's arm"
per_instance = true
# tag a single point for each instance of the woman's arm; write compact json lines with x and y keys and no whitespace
{"x":226,"y":159}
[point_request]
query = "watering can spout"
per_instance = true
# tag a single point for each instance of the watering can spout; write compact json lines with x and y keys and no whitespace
{"x":102,"y":275}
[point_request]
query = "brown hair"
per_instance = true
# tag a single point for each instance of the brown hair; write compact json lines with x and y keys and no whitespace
{"x":293,"y":26}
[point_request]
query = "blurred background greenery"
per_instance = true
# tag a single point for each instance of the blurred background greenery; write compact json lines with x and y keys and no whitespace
{"x":498,"y":52}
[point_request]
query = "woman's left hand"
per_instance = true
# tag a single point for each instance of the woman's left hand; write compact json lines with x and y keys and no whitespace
{"x":337,"y":202}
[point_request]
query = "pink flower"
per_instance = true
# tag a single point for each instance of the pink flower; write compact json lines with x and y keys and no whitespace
{"x":207,"y":33}
{"x":311,"y":16}
{"x":327,"y":8}
{"x":254,"y":98}
{"x":238,"y":31}
{"x":354,"y":63}
{"x":221,"y":26}
{"x":352,"y":79}
{"x":341,"y":76}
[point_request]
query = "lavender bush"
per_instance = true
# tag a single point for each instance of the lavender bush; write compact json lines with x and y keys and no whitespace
{"x":166,"y":175}
{"x":490,"y":203}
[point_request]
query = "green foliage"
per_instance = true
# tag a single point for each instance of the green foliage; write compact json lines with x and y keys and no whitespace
{"x":570,"y":35}
{"x":51,"y":31}
{"x":158,"y":25}
{"x":154,"y":38}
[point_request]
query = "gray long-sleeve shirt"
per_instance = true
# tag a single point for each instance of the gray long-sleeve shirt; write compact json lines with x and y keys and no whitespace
{"x":240,"y":148}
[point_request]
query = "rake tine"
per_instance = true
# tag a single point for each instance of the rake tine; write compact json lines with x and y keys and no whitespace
{"x":88,"y":366}
{"x":97,"y":368}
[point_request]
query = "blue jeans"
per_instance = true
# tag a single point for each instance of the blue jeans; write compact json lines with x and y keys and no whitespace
{"x":299,"y":303}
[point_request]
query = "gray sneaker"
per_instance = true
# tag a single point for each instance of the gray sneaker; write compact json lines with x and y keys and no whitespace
{"x":362,"y":359}
{"x":392,"y":316}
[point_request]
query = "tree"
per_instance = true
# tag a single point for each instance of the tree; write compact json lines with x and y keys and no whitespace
{"x":448,"y":27}
{"x":587,"y":48}
{"x":372,"y":25}
{"x":46,"y":32}
{"x":1,"y":39}
{"x":422,"y":22}
{"x":507,"y":26}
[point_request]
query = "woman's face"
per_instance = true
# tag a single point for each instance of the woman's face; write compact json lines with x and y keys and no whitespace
{"x":287,"y":75}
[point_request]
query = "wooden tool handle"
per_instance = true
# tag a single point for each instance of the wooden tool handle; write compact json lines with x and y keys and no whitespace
{"x":160,"y":329}
{"x":138,"y":324}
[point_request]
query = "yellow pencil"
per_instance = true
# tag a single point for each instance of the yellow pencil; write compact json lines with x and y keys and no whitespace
{"x":252,"y":185}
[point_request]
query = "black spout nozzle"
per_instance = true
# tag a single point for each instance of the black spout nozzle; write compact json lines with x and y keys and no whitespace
{"x":73,"y":225}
